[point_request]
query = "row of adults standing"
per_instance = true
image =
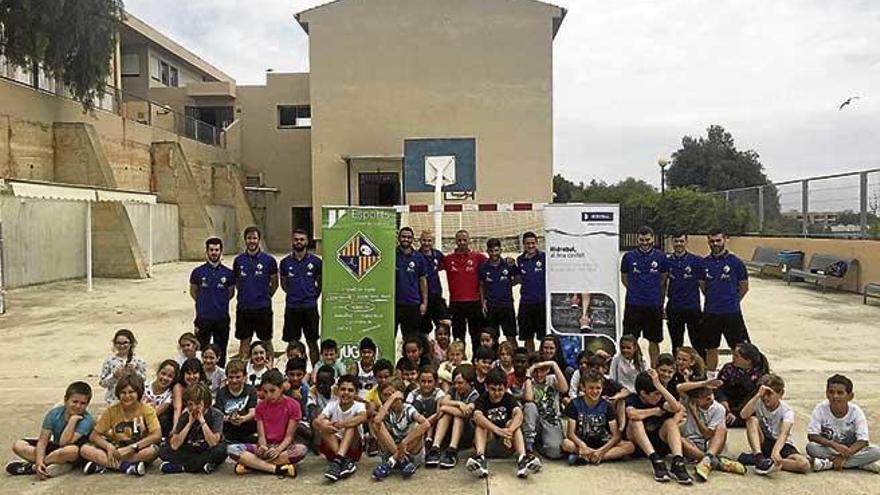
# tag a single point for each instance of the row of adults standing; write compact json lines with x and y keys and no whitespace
{"x":420,"y":305}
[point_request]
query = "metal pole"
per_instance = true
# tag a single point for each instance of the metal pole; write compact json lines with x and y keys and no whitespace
{"x":2,"y":278}
{"x":805,"y":206}
{"x":863,"y":205}
{"x":150,"y":241}
{"x":761,"y":209}
{"x":438,"y":209}
{"x":89,"y":246}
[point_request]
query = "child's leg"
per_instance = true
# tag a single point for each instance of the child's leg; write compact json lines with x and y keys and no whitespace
{"x":551,"y":439}
{"x":691,"y":450}
{"x":622,"y":449}
{"x":530,"y":424}
{"x":635,"y":431}
{"x":795,"y":463}
{"x":295,"y":452}
{"x":754,"y":434}
{"x":568,"y":447}
{"x":458,"y":425}
{"x":25,"y":450}
{"x":441,"y":429}
{"x":66,"y":454}
{"x":519,"y":444}
{"x":253,"y":461}
{"x":717,"y":442}
{"x":670,"y":434}
{"x":620,"y":409}
{"x":348,"y":440}
{"x":193,"y":462}
{"x":386,"y":441}
{"x":866,"y":456}
{"x":97,"y":455}
{"x":480,"y":439}
{"x":415,"y":446}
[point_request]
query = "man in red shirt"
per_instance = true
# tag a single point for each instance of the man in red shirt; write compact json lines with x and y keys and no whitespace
{"x":463,"y":277}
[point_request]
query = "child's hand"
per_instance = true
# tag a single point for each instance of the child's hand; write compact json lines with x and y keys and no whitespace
{"x":272,"y":453}
{"x":505,"y":433}
{"x":838,"y":462}
{"x":764,"y":390}
{"x":75,"y":418}
{"x":730,"y":418}
{"x":396,"y":395}
{"x":841,"y":449}
{"x":40,"y":468}
{"x":654,"y":376}
{"x":595,"y":456}
{"x":261,"y":451}
{"x":714,"y":384}
{"x":776,"y":456}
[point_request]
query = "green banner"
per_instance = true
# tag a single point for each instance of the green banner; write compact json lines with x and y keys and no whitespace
{"x":358,"y":249}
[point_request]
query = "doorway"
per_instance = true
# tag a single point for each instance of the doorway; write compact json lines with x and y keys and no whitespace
{"x":379,"y":189}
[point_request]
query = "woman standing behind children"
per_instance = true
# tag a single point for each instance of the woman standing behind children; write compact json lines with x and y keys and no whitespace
{"x":628,"y":363}
{"x":122,"y":362}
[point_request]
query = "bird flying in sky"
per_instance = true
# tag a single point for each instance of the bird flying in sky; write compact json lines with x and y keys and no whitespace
{"x":847,"y":102}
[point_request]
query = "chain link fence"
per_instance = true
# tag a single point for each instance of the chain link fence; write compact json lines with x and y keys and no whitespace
{"x":844,"y":206}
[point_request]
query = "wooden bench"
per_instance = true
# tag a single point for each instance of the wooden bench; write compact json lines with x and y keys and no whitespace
{"x":816,"y":271}
{"x":764,"y":258}
{"x":871,"y":290}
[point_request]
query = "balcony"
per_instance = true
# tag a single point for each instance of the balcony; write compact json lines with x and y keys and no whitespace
{"x":224,"y":89}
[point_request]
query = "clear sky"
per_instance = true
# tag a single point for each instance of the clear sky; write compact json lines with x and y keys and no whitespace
{"x":631,"y":78}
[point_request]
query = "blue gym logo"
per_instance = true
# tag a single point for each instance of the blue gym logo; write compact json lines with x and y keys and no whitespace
{"x":359,"y":255}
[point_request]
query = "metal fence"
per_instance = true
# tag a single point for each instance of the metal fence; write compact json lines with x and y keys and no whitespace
{"x":845,"y":205}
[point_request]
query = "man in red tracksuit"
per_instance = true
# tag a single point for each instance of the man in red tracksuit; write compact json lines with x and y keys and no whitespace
{"x":463,"y":277}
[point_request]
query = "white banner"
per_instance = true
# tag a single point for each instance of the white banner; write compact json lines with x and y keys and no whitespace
{"x":583,"y":275}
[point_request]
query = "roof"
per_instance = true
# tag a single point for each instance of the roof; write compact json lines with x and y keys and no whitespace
{"x":172,"y":46}
{"x":557,"y":20}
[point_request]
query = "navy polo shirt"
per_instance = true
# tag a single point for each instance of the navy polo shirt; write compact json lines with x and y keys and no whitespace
{"x":722,"y":275}
{"x":212,"y":300}
{"x":533,"y":278}
{"x":643,"y":272}
{"x":302,"y":279}
{"x":409,"y":267}
{"x":252,"y":274}
{"x":498,"y":281}
{"x":684,"y":281}
{"x":434,"y":263}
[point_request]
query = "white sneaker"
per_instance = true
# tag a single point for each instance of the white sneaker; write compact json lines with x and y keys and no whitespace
{"x":54,"y":470}
{"x":874,"y":467}
{"x":820,"y":464}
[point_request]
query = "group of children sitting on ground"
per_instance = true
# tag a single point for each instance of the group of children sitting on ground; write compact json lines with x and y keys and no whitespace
{"x":431,"y":404}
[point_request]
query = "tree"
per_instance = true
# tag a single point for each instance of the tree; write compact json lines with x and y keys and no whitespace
{"x":71,"y":40}
{"x":628,"y":192}
{"x":714,"y":164}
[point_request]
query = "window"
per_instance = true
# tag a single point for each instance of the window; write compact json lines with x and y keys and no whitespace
{"x":165,"y":73}
{"x":154,"y":68}
{"x":172,"y":81}
{"x":131,"y":64}
{"x":294,"y":116}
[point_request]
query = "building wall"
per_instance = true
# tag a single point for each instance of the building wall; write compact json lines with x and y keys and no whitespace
{"x":225,"y":226}
{"x":283,"y":156}
{"x":166,"y":237}
{"x":421,"y":68}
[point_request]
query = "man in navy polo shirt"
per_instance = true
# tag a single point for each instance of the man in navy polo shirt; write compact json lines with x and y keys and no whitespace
{"x":532,"y":265}
{"x":683,"y":290}
{"x":212,"y":286}
{"x":724,"y":281}
{"x":497,"y":278}
{"x":437,"y":310}
{"x":300,"y":277}
{"x":643,"y":272}
{"x":411,"y":289}
{"x":256,"y":276}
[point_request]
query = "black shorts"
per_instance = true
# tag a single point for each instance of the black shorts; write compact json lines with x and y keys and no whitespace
{"x":299,"y":321}
{"x":251,"y":321}
{"x":503,"y":319}
{"x":787,"y":451}
{"x":52,"y":446}
{"x":437,"y":309}
{"x":593,"y":443}
{"x":730,"y":325}
{"x":643,"y":321}
{"x":532,"y":321}
{"x":408,"y":318}
{"x":677,"y":320}
{"x":660,"y":447}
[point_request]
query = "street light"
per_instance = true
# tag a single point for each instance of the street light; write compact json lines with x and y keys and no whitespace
{"x":662,"y":162}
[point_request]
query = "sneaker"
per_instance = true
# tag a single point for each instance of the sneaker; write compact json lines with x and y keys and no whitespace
{"x":449,"y":459}
{"x":873,"y":467}
{"x":661,"y":474}
{"x":347,"y":467}
{"x":134,"y":469}
{"x":726,"y":465}
{"x":703,"y":468}
{"x":53,"y":470}
{"x":746,"y":459}
{"x":432,"y":458}
{"x":382,"y":470}
{"x":93,"y":468}
{"x":763,"y":465}
{"x":17,"y":468}
{"x":241,"y":469}
{"x":372,"y":447}
{"x":209,"y":468}
{"x":478,"y":465}
{"x":533,"y":463}
{"x":286,"y":471}
{"x":522,"y":468}
{"x":820,"y":464}
{"x":170,"y":468}
{"x":334,"y":470}
{"x":678,"y":471}
{"x":407,"y":467}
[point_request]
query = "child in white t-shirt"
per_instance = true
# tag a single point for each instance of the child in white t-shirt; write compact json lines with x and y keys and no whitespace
{"x":339,"y":428}
{"x":704,"y":434}
{"x":769,"y":422}
{"x":838,"y":431}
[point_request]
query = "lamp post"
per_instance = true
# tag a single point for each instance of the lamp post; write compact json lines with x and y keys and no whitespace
{"x":662,"y":162}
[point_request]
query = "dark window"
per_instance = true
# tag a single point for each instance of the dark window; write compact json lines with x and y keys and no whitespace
{"x":294,"y":116}
{"x":165,"y":73}
{"x":379,"y":189}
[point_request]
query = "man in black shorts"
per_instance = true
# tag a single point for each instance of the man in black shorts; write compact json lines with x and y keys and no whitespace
{"x":256,"y":277}
{"x":643,"y":272}
{"x":300,"y":277}
{"x":212,"y":286}
{"x":532,"y":265}
{"x":724,"y":282}
{"x":411,"y":288}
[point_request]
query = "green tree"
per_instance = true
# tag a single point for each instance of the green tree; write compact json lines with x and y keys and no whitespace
{"x":628,"y":192}
{"x":714,"y":164}
{"x":71,"y":40}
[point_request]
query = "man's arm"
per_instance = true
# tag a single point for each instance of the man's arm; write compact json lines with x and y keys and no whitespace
{"x":624,"y":279}
{"x":742,"y":288}
{"x":194,"y":291}
{"x":273,"y":284}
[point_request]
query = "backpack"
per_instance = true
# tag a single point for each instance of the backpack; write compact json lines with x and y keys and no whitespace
{"x":837,"y":269}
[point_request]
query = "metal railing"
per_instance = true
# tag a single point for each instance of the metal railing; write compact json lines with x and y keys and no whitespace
{"x":845,"y":205}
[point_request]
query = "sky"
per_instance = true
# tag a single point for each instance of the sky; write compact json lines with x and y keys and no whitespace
{"x":632,"y":78}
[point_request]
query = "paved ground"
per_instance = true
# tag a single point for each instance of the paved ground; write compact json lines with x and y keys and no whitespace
{"x":58,"y":333}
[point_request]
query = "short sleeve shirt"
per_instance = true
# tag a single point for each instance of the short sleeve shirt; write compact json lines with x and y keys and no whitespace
{"x":462,"y":273}
{"x":771,"y":421}
{"x":846,"y":430}
{"x":470,"y":398}
{"x":533,"y":278}
{"x":229,"y":404}
{"x":399,"y":423}
{"x":212,"y":300}
{"x":499,"y":413}
{"x":643,"y":271}
{"x":276,"y":415}
{"x":195,"y":439}
{"x":54,"y":421}
{"x":252,"y":276}
{"x":123,"y":429}
{"x":684,"y":281}
{"x":722,"y":275}
{"x":302,"y":280}
{"x":653,"y":423}
{"x":426,"y":405}
{"x":592,"y":424}
{"x":333,"y":410}
{"x":155,"y":399}
{"x":410,"y":268}
{"x":498,"y":281}
{"x":433,"y":263}
{"x":546,"y":398}
{"x":712,"y":418}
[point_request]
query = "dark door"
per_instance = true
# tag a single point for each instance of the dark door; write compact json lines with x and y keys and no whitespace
{"x":301,"y":218}
{"x":379,"y":189}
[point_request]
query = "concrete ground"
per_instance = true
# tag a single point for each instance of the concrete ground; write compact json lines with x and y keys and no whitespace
{"x":58,"y":333}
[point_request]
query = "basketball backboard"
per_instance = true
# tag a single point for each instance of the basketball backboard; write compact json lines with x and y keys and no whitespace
{"x":423,"y":157}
